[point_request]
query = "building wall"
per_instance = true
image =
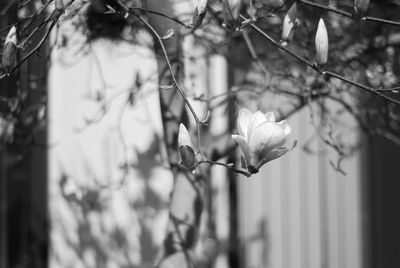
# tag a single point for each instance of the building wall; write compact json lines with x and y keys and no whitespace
{"x":109,"y":182}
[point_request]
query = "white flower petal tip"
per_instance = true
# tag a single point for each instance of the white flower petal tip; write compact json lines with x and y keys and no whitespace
{"x":184,"y":137}
{"x":9,"y":57}
{"x":11,"y":36}
{"x":289,"y":24}
{"x":200,"y":8}
{"x":286,"y":128}
{"x":321,"y":44}
{"x":260,"y":138}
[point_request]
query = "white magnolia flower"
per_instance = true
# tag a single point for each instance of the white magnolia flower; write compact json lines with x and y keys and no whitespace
{"x":260,"y":138}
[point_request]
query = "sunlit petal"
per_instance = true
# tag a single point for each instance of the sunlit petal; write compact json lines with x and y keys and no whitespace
{"x":271,"y":155}
{"x":270,"y":116}
{"x":184,"y":137}
{"x":285,"y":127}
{"x":243,"y":122}
{"x":267,"y":136}
{"x":243,"y":146}
{"x":257,"y":119}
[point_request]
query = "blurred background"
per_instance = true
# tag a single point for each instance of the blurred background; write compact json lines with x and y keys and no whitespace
{"x":89,"y":126}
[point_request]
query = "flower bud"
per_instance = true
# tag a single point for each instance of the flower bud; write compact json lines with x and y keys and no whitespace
{"x":231,"y":10}
{"x":200,"y":5}
{"x":10,"y":50}
{"x":98,"y":6}
{"x":273,"y":4}
{"x":187,"y":156}
{"x":361,"y":6}
{"x":59,"y":5}
{"x":199,"y":12}
{"x":321,"y":44}
{"x":289,"y":24}
{"x":185,"y":147}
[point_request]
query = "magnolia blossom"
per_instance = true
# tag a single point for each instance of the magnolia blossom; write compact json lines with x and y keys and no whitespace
{"x":260,"y":138}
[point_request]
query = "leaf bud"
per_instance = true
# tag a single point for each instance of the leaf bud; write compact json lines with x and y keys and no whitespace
{"x":59,"y":5}
{"x":9,"y":57}
{"x":289,"y":24}
{"x":361,"y":7}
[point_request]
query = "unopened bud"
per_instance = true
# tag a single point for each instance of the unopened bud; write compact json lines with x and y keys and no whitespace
{"x":273,"y":4}
{"x":361,"y":6}
{"x":59,"y":5}
{"x":231,"y":9}
{"x":197,"y":18}
{"x":185,"y":145}
{"x":289,"y":24}
{"x":10,"y":50}
{"x":321,"y":44}
{"x":98,"y":6}
{"x":187,"y":156}
{"x":200,"y":5}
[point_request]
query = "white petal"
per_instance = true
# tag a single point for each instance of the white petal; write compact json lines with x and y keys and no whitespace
{"x":321,"y":43}
{"x":11,"y":36}
{"x":271,"y":155}
{"x":201,"y":5}
{"x":256,"y":119}
{"x":243,"y":146}
{"x":266,"y":137}
{"x":270,"y":116}
{"x":184,"y":137}
{"x":285,"y":127}
{"x":243,"y":122}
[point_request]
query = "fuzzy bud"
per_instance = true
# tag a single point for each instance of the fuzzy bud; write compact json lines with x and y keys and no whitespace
{"x":361,"y":6}
{"x":231,"y":10}
{"x":59,"y":5}
{"x":98,"y":6}
{"x":10,"y":50}
{"x":197,"y":19}
{"x":321,"y":44}
{"x":200,"y":5}
{"x":185,"y":147}
{"x":273,"y":4}
{"x":199,"y":12}
{"x":289,"y":24}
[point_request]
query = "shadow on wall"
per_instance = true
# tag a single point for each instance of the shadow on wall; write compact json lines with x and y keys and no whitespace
{"x":108,"y":183}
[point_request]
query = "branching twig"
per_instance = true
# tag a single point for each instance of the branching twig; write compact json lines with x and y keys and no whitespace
{"x":317,"y":69}
{"x":347,"y":14}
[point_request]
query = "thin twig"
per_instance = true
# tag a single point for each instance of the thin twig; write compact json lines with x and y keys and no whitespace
{"x":160,"y":14}
{"x":347,"y":14}
{"x":317,"y":69}
{"x":245,"y":173}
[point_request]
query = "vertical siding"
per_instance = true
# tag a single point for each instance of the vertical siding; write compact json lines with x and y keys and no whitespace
{"x":219,"y":178}
{"x":311,"y":213}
